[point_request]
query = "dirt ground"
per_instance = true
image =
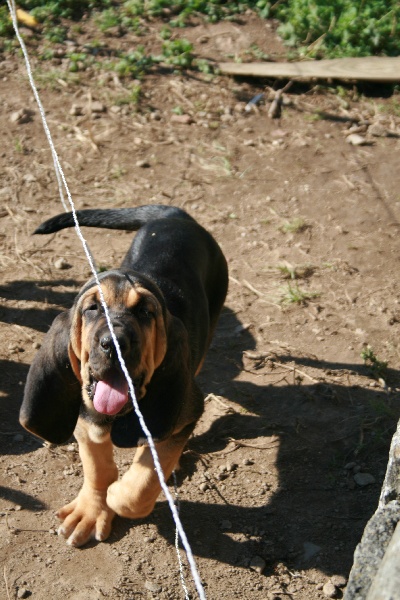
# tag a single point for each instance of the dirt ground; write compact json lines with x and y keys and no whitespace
{"x":286,"y":465}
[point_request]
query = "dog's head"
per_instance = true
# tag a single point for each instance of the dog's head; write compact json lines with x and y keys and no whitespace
{"x":138,"y":317}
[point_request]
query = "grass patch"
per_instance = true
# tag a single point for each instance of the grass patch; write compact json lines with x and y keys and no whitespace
{"x":377,"y":368}
{"x":314,"y":28}
{"x":296,"y":225}
{"x":294,"y":295}
{"x":340,"y":27}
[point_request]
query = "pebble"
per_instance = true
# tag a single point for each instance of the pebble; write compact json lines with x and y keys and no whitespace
{"x":77,"y":110}
{"x":356,"y":140}
{"x":153,"y":587}
{"x":363,"y":479}
{"x":350,"y":466}
{"x":62,"y":264}
{"x":204,"y":486}
{"x":19,"y":117}
{"x":310,"y":550}
{"x":339,"y":581}
{"x":183,"y":119}
{"x":23,"y":593}
{"x":377,"y":130}
{"x":98,"y":107}
{"x":329,"y":590}
{"x":143,"y":164}
{"x":149,"y":539}
{"x":258,"y":564}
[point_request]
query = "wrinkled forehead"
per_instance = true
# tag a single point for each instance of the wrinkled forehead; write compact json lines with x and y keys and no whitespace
{"x":121,"y":288}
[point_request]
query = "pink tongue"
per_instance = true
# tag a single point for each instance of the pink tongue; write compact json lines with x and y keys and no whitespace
{"x":110,"y":396}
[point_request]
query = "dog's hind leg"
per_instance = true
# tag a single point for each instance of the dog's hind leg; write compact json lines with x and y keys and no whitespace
{"x":89,"y":516}
{"x":135,"y":494}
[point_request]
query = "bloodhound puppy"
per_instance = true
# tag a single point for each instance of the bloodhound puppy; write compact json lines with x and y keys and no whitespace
{"x":164,"y":302}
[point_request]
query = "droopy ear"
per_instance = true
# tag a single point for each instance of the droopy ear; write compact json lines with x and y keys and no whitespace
{"x":160,"y":347}
{"x":52,"y":395}
{"x":75,"y":340}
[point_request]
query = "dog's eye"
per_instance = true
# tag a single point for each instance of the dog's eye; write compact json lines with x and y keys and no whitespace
{"x":143,"y":312}
{"x":91,"y":308}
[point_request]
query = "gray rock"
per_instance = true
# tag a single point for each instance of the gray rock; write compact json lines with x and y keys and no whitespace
{"x":338,"y":581}
{"x":310,"y":550}
{"x":62,"y":264}
{"x":370,"y":551}
{"x":258,"y":564}
{"x":363,"y":479}
{"x":329,"y":590}
{"x":152,"y":587}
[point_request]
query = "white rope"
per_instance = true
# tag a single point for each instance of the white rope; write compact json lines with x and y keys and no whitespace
{"x":61,"y":177}
{"x":178,"y":552}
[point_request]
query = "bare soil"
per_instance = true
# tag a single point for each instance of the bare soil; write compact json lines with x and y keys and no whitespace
{"x":267,"y":491}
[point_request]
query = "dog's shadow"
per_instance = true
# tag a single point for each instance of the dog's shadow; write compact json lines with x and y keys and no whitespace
{"x":319,"y":427}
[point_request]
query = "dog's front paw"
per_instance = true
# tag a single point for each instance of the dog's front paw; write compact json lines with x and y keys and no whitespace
{"x":86,"y":517}
{"x":130,"y":500}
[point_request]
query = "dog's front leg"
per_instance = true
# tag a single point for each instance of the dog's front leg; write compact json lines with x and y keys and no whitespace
{"x":135,"y":494}
{"x":89,"y":515}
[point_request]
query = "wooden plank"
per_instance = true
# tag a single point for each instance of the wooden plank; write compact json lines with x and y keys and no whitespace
{"x":370,"y":68}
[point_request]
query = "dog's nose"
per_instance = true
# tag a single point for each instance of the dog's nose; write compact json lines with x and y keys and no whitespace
{"x":107,"y":344}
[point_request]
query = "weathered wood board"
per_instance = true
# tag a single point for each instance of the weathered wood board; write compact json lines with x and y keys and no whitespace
{"x":370,"y":68}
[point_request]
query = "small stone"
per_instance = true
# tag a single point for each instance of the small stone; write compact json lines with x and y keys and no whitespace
{"x":363,"y":479}
{"x":257,"y":564}
{"x":310,"y":550}
{"x":231,"y":467}
{"x":204,"y":486}
{"x":71,"y":448}
{"x":183,"y":119}
{"x":152,"y":587}
{"x":350,"y":466}
{"x":149,"y":539}
{"x":23,"y":593}
{"x":247,"y":461}
{"x":17,"y":507}
{"x":143,"y":164}
{"x":329,"y":590}
{"x":377,"y":130}
{"x":77,"y":110}
{"x":97,"y":107}
{"x":62,"y":264}
{"x":19,"y":117}
{"x":356,"y":140}
{"x":36,"y":345}
{"x":339,"y":581}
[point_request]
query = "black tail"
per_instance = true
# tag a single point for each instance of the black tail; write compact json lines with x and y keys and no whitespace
{"x":129,"y":219}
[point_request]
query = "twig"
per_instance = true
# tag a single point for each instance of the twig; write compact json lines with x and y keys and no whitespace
{"x":5,"y":581}
{"x":245,"y":445}
{"x":259,"y":294}
{"x":302,"y":373}
{"x":217,"y":399}
{"x":274,"y":111}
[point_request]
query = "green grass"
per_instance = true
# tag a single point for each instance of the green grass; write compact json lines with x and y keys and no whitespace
{"x":294,"y":295}
{"x":377,"y":368}
{"x":314,"y":28}
{"x":296,"y":225}
{"x":341,"y":27}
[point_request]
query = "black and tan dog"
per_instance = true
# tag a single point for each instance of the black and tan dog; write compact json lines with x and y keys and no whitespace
{"x":164,"y":303}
